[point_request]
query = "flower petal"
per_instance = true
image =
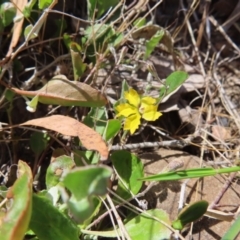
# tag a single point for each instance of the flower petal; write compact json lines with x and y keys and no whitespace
{"x":132,"y":97}
{"x":132,"y":123}
{"x":125,"y":110}
{"x":150,"y":113}
{"x":149,"y":100}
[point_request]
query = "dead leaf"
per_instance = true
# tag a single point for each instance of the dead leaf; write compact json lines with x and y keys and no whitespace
{"x":90,"y":139}
{"x":61,"y":91}
{"x":17,"y":27}
{"x":220,"y":132}
{"x":220,"y":215}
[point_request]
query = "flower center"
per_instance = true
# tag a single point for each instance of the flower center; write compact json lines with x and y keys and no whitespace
{"x":141,"y":109}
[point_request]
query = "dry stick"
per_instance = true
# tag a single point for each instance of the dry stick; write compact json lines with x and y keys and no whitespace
{"x":137,"y":210}
{"x":221,"y":141}
{"x":95,"y":68}
{"x":29,"y":83}
{"x":194,"y":44}
{"x":224,"y":189}
{"x":134,"y":28}
{"x":201,"y":28}
{"x":235,"y":15}
{"x":225,"y":99}
{"x":194,"y":5}
{"x":134,"y":11}
{"x":201,"y":161}
{"x":172,"y":143}
{"x":133,"y":208}
{"x":83,"y":20}
{"x":221,"y":30}
{"x":119,"y":220}
{"x":109,"y":211}
{"x":35,"y":28}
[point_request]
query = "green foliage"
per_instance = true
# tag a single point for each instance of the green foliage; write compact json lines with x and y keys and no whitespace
{"x":32,"y":105}
{"x":99,"y":37}
{"x":140,"y":22}
{"x":48,"y":223}
{"x":93,"y":182}
{"x":153,"y":42}
{"x":190,"y":213}
{"x":112,"y":129}
{"x":190,"y":173}
{"x":96,"y":8}
{"x":42,"y":4}
{"x":233,"y":231}
{"x":141,"y":227}
{"x":38,"y":142}
{"x":77,"y":63}
{"x":9,"y":95}
{"x":57,"y":169}
{"x":28,"y":34}
{"x":28,"y":8}
{"x":173,"y":81}
{"x":129,"y":168}
{"x":144,"y":227}
{"x":7,"y":13}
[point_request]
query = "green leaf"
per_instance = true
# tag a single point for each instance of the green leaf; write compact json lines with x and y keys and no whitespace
{"x":189,"y":173}
{"x":173,"y":81}
{"x":78,"y":66}
{"x":32,"y":105}
{"x":38,"y":142}
{"x":61,"y":27}
{"x":142,"y":227}
{"x":57,"y":169}
{"x":49,"y":223}
{"x":112,"y":129}
{"x":7,"y":13}
{"x":93,"y":181}
{"x":153,"y":42}
{"x":96,"y":31}
{"x":190,"y":213}
{"x":233,"y":231}
{"x":28,"y":8}
{"x":100,"y":37}
{"x":9,"y":95}
{"x":130,"y":168}
{"x":42,"y":4}
{"x":14,"y":223}
{"x":61,"y":91}
{"x":115,"y":39}
{"x":67,"y":40}
{"x":140,"y":22}
{"x":96,"y":119}
{"x":27,"y":32}
{"x":101,"y":6}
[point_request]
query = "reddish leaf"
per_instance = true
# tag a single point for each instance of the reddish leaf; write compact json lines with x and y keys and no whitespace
{"x":14,"y":223}
{"x":71,"y":127}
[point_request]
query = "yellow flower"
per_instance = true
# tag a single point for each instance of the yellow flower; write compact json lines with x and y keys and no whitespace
{"x":137,"y":108}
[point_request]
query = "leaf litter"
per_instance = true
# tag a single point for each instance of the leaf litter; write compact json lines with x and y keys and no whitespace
{"x":203,"y":107}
